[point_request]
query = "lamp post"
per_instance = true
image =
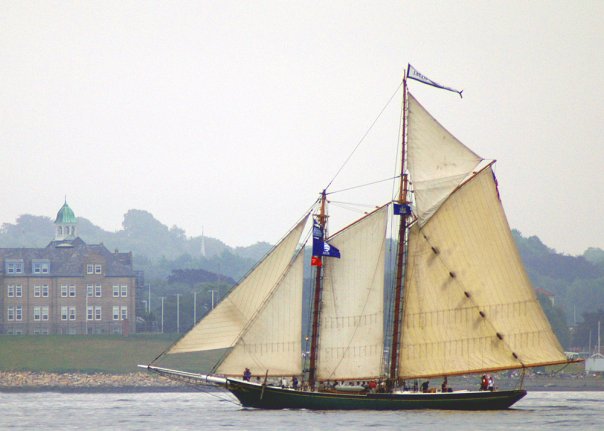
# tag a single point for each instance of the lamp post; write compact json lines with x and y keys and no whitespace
{"x":178,"y":313}
{"x":212,"y":291}
{"x":162,"y":314}
{"x":194,"y":307}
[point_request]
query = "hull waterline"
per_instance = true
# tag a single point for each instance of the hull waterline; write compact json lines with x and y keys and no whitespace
{"x":270,"y":397}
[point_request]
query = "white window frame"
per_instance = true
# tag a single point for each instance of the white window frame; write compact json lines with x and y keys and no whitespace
{"x":45,"y":312}
{"x":10,"y":313}
{"x":42,"y":267}
{"x":124,"y":315}
{"x":10,"y":291}
{"x":72,"y":291}
{"x":64,"y":312}
{"x":37,"y":313}
{"x":116,"y":312}
{"x":90,"y":312}
{"x":116,"y":291}
{"x":63,"y":291}
{"x":98,"y":314}
{"x":124,"y":291}
{"x":18,"y":291}
{"x":98,"y":291}
{"x":72,"y":313}
{"x":90,"y":268}
{"x":45,"y":291}
{"x":90,"y":291}
{"x":98,"y":269}
{"x":19,"y":312}
{"x":37,"y":291}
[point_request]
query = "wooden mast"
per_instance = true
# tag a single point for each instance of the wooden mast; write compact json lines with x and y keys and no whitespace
{"x":312,"y":373}
{"x":402,"y":245}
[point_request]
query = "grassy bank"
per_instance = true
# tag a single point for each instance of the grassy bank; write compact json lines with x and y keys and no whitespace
{"x":108,"y":354}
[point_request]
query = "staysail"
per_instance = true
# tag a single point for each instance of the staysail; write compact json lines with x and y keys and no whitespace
{"x":469,"y":305}
{"x":437,"y":160}
{"x":351,"y":330}
{"x":272,"y":342}
{"x":223,"y":326}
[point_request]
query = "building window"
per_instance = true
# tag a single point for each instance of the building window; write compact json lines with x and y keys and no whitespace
{"x":45,"y":291}
{"x":72,"y":291}
{"x":124,"y":291}
{"x":89,"y":269}
{"x":14,"y":266}
{"x":37,"y":291}
{"x":19,"y":312}
{"x":89,"y":290}
{"x":40,"y":267}
{"x":89,"y":312}
{"x":36,"y":313}
{"x":45,"y":312}
{"x":10,"y":291}
{"x":124,"y":312}
{"x":97,"y":269}
{"x":10,"y":315}
{"x":18,"y":291}
{"x":72,"y":313}
{"x":116,"y":291}
{"x":63,"y":291}
{"x":97,"y":291}
{"x":63,"y":313}
{"x":97,"y":312}
{"x":116,"y":313}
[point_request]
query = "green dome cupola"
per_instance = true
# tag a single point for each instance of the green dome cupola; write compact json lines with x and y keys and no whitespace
{"x":66,"y":223}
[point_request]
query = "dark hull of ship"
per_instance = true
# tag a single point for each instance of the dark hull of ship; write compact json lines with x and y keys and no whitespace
{"x":270,"y":397}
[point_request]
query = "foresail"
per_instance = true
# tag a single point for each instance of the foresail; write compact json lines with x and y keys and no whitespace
{"x":351,"y":335}
{"x":468,"y":304}
{"x":437,"y":161}
{"x":222,"y":327}
{"x":272,"y":342}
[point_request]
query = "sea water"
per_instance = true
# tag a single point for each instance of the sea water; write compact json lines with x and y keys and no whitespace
{"x":220,"y":411}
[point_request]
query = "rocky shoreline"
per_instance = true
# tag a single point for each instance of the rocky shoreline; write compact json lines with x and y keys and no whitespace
{"x":27,"y":381}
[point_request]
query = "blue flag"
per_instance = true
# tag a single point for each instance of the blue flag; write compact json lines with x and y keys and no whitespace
{"x":402,"y":209}
{"x":320,"y":247}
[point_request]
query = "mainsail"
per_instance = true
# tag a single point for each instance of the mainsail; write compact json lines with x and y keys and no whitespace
{"x":351,"y":336}
{"x":224,"y":326}
{"x":468,"y":304}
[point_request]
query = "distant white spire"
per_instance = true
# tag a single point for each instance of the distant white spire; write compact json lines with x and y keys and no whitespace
{"x":203,"y":244}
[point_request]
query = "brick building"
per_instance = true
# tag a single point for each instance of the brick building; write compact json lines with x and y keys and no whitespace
{"x":68,"y":287}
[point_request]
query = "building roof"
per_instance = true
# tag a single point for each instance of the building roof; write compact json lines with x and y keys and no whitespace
{"x":69,"y":258}
{"x":65,"y":215}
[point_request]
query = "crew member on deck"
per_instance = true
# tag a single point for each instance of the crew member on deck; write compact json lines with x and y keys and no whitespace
{"x":247,"y":375}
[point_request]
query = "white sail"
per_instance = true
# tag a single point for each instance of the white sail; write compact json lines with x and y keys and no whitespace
{"x":222,"y":327}
{"x":272,"y":342}
{"x":351,"y":338}
{"x":468,"y":304}
{"x":437,"y":161}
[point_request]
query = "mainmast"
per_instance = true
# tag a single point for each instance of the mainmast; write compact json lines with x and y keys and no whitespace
{"x":312,"y":373}
{"x":402,"y":246}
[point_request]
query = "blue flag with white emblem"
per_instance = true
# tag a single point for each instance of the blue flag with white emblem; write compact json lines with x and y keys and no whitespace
{"x":320,"y":247}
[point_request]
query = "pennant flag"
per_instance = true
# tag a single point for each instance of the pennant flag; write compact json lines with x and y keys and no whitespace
{"x":316,"y":261}
{"x":414,"y":74}
{"x":402,"y":209}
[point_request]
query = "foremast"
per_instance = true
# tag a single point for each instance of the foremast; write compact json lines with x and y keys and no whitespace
{"x":401,"y":250}
{"x":312,"y":372}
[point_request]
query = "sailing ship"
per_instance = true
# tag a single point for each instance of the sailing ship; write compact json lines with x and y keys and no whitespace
{"x":461,"y":301}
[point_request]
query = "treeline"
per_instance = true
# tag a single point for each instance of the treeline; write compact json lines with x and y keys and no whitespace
{"x":175,"y":264}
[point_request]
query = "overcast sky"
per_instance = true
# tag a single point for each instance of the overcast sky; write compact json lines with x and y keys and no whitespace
{"x":233,"y":115}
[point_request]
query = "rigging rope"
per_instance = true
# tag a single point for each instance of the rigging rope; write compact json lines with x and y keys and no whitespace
{"x":365,"y":135}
